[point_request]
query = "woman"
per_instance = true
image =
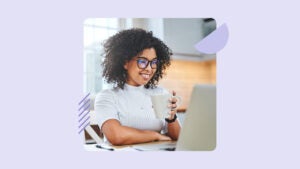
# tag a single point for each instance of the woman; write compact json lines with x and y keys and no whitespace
{"x":134,"y":61}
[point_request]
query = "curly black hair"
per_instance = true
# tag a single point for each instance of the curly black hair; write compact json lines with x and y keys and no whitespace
{"x":125,"y":45}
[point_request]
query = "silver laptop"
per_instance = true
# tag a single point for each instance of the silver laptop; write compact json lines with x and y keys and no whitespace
{"x":198,"y":132}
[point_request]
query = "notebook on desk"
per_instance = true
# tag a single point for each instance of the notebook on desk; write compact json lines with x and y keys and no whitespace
{"x":198,"y":132}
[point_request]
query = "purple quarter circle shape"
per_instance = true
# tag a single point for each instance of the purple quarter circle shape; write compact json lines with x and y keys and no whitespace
{"x":214,"y":42}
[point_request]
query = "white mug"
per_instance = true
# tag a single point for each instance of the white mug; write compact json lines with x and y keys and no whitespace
{"x":160,"y":103}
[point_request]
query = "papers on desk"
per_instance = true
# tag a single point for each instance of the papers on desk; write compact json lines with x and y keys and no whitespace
{"x":160,"y":146}
{"x":126,"y":149}
{"x":105,"y":147}
{"x":156,"y":146}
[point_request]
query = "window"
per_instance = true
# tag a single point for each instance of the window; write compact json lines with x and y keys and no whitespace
{"x":95,"y":31}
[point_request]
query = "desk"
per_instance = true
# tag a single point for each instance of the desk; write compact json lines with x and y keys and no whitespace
{"x":151,"y":146}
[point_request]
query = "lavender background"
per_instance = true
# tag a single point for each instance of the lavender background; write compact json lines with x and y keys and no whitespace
{"x":257,"y":79}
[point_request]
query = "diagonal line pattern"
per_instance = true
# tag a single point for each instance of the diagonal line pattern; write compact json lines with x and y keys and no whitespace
{"x":83,"y":116}
{"x":87,"y":101}
{"x":84,"y":98}
{"x":84,"y":110}
{"x":84,"y":122}
{"x":86,"y":107}
{"x":83,"y":128}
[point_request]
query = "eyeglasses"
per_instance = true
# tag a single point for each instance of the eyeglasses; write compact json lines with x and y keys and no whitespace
{"x":143,"y":63}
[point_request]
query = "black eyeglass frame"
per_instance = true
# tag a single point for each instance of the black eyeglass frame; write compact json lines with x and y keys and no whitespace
{"x":148,"y":61}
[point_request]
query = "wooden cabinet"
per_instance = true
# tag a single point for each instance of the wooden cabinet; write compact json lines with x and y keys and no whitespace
{"x":182,"y":75}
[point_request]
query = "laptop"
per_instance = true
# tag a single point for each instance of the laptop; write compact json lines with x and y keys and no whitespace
{"x":198,"y":131}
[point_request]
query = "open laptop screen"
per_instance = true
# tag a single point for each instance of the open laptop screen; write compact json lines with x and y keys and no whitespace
{"x":198,"y":131}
